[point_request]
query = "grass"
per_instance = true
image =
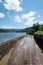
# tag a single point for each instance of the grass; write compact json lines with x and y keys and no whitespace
{"x":40,"y":33}
{"x":41,"y":51}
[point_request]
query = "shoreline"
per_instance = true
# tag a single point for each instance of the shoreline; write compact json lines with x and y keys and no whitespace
{"x":7,"y":45}
{"x":9,"y":40}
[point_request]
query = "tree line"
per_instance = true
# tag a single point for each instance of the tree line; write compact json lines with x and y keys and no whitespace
{"x":36,"y":27}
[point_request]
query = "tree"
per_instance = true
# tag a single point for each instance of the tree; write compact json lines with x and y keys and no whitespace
{"x":36,"y":27}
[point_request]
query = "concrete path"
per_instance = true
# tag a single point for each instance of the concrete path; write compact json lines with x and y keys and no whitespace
{"x":25,"y":53}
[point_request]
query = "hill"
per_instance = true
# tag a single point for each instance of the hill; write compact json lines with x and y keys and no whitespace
{"x":10,"y":30}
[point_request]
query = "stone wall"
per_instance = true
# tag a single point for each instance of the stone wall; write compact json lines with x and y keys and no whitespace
{"x":39,"y":41}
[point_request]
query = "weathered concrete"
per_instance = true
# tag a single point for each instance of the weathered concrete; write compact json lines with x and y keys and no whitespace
{"x":25,"y":53}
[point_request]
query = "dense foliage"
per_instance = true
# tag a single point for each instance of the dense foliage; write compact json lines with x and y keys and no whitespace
{"x":36,"y":27}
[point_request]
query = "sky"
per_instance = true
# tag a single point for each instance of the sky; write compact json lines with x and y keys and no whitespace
{"x":20,"y":13}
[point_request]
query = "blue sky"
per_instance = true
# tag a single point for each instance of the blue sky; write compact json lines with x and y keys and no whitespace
{"x":20,"y":13}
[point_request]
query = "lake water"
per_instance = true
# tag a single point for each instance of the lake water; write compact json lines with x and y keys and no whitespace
{"x":6,"y":36}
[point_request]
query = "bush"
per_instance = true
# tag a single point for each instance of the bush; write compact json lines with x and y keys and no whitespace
{"x":39,"y":33}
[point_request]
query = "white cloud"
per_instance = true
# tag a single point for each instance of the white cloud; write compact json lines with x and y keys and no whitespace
{"x":2,"y":15}
{"x":30,"y":14}
{"x":29,"y":17}
{"x":33,"y":22}
{"x":17,"y":19}
{"x":30,"y":20}
{"x":13,"y":5}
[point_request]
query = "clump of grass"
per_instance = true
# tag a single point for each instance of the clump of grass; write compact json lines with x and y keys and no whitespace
{"x":40,"y":33}
{"x":41,"y":51}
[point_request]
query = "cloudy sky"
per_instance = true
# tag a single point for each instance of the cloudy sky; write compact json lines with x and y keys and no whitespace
{"x":20,"y":13}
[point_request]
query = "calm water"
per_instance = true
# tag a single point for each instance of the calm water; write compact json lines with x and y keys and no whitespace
{"x":6,"y":36}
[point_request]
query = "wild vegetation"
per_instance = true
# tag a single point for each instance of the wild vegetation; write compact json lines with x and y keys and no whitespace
{"x":36,"y":29}
{"x":39,"y":33}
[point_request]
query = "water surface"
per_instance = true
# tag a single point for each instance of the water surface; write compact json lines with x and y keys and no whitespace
{"x":10,"y":35}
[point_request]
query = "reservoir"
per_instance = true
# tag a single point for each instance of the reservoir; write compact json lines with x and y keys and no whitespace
{"x":10,"y":35}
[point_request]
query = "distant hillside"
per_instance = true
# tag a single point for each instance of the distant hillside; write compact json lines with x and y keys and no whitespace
{"x":28,"y":29}
{"x":10,"y":30}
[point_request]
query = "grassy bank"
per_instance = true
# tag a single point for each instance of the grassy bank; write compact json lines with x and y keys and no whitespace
{"x":39,"y":33}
